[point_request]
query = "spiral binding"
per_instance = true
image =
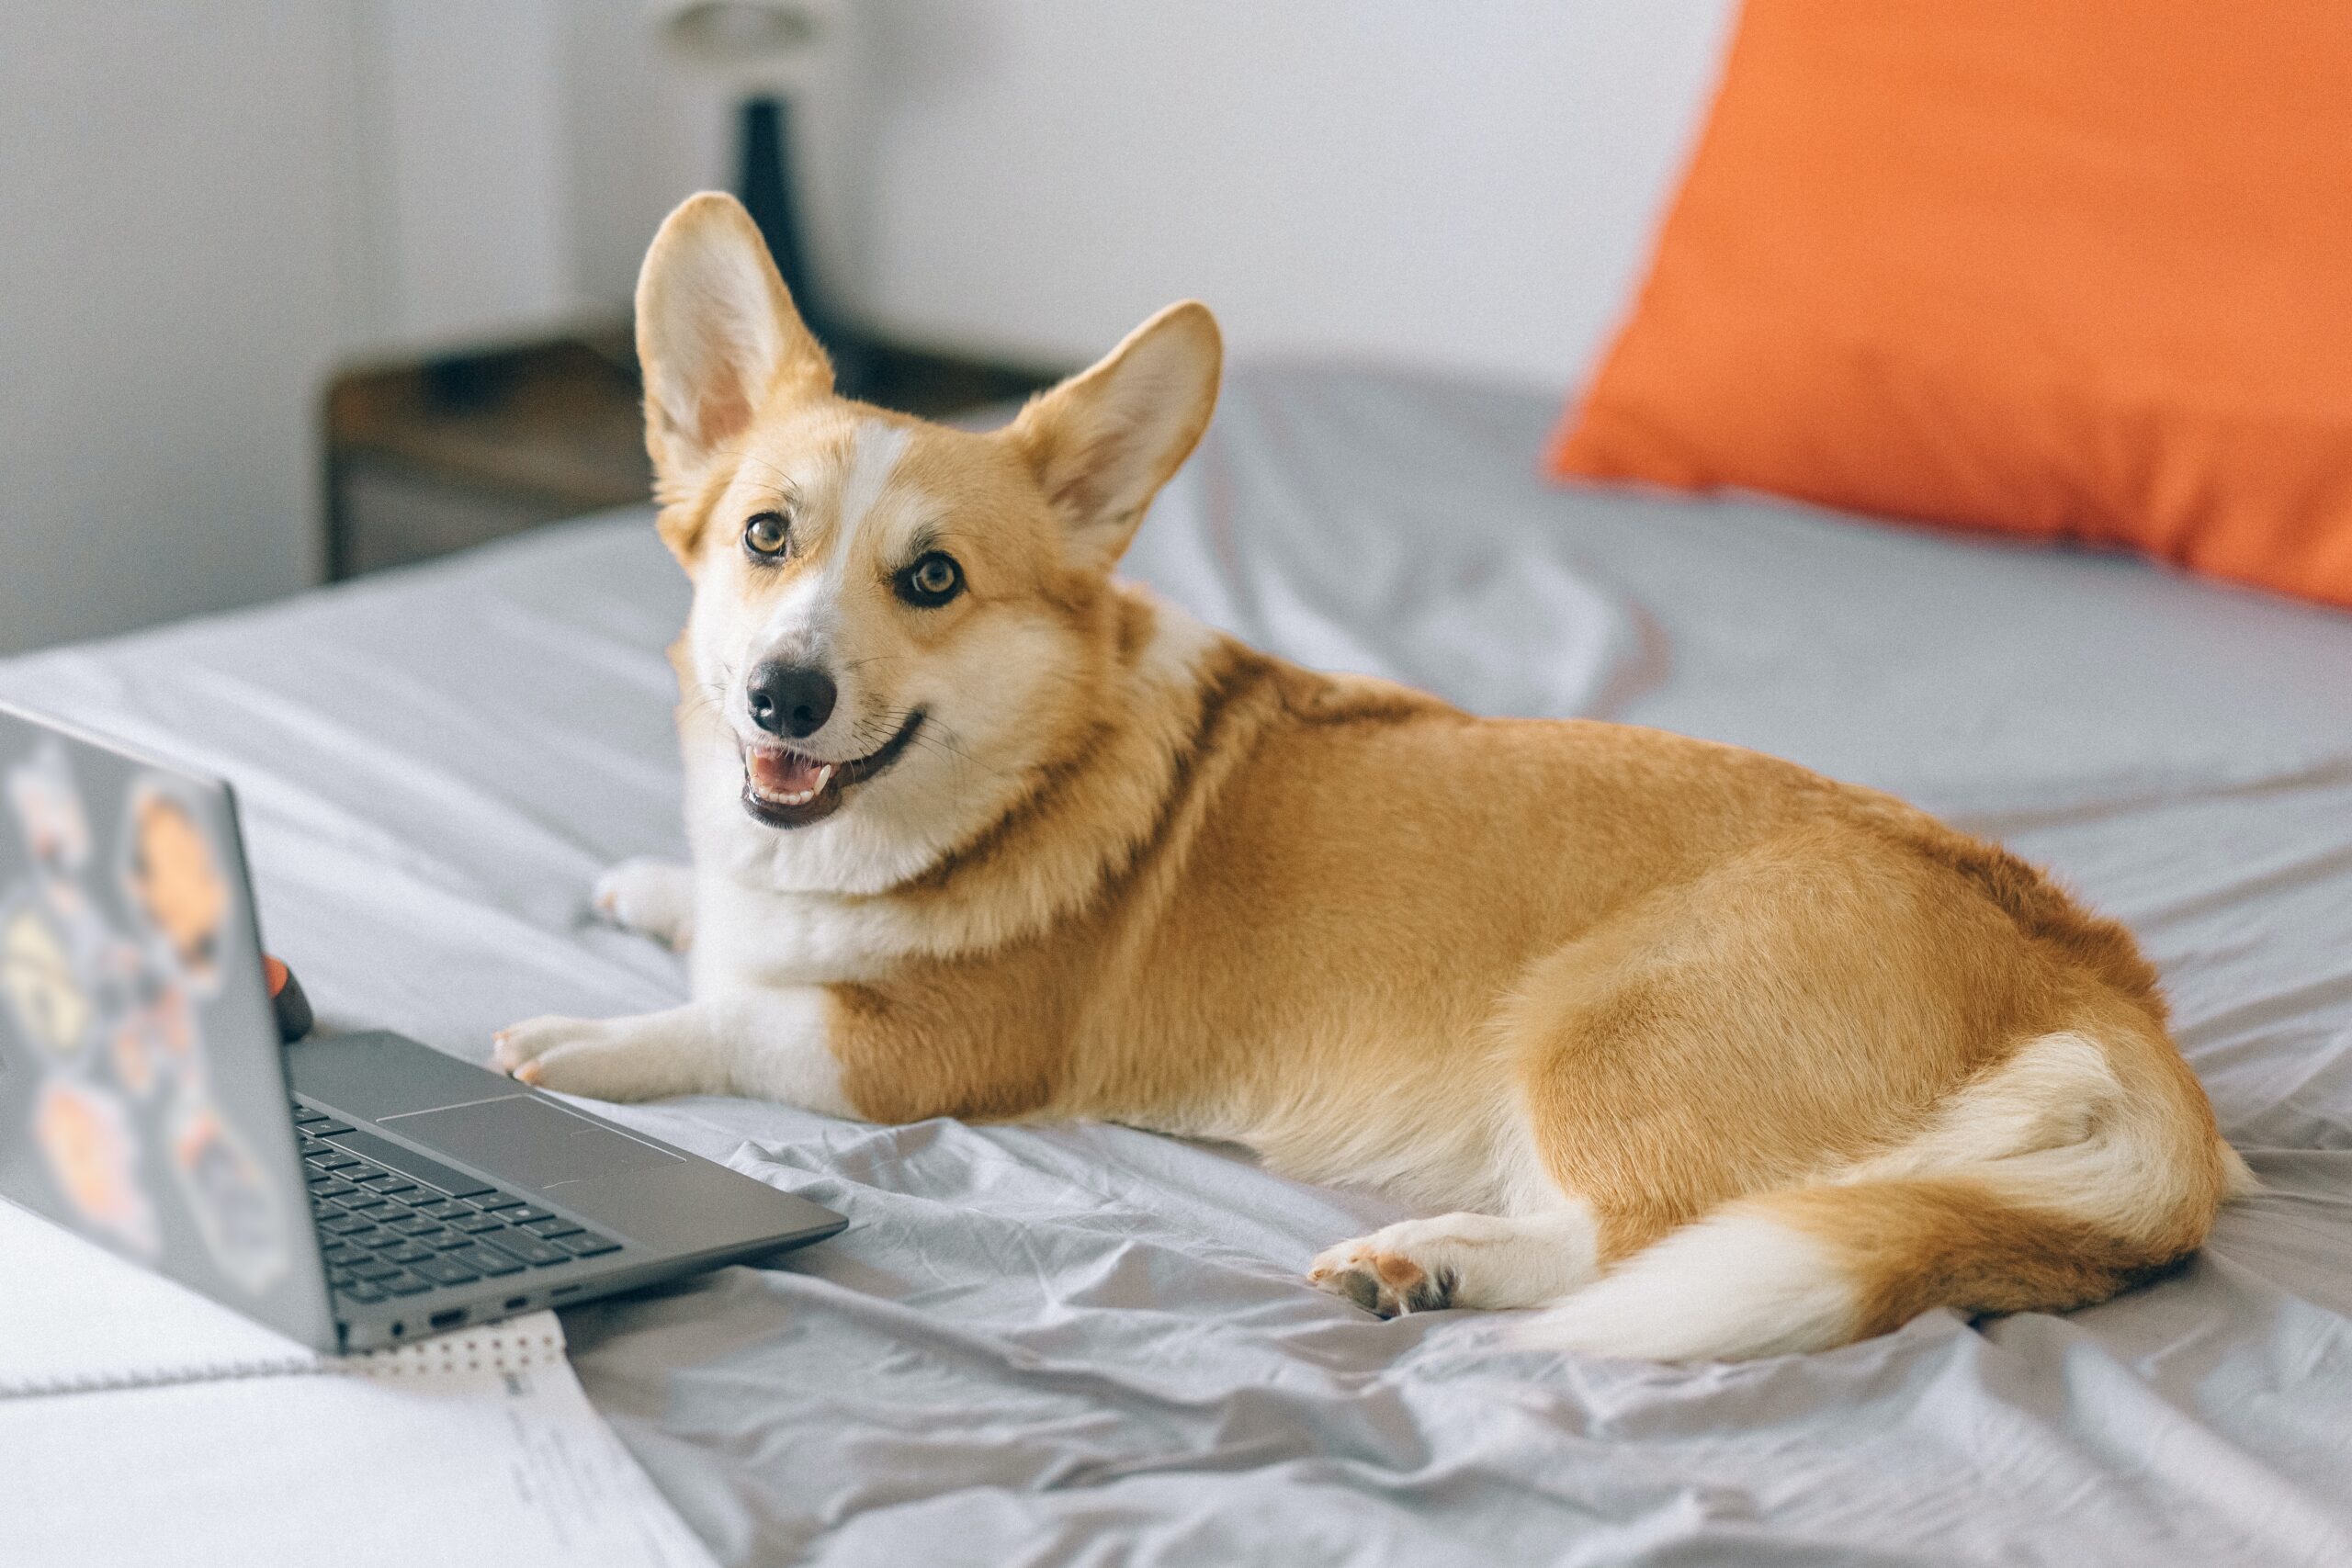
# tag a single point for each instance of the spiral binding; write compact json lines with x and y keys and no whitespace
{"x":503,"y":1348}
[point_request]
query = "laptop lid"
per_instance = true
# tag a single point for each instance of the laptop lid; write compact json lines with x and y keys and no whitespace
{"x":143,"y":1095}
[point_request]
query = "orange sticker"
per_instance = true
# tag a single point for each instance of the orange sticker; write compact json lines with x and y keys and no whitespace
{"x":86,"y":1140}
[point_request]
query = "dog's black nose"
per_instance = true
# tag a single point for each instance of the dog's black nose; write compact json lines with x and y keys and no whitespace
{"x":791,"y":700}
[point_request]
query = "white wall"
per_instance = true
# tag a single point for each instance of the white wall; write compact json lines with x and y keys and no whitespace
{"x":166,"y":256}
{"x":456,"y":174}
{"x":639,"y":135}
{"x":204,"y":211}
{"x":1468,"y":184}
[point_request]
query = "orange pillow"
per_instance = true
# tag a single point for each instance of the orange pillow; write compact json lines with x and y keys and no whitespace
{"x":2064,"y":268}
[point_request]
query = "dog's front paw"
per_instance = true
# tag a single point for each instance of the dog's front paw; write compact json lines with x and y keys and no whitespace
{"x":655,"y":897}
{"x":602,"y":1058}
{"x":1383,"y":1279}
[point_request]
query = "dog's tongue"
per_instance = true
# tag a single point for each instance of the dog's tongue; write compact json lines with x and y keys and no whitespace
{"x":779,"y":772}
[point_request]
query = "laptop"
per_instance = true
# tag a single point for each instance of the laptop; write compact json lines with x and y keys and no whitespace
{"x":355,"y":1191}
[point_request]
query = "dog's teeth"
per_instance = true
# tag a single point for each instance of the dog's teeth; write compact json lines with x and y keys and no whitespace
{"x":824,"y":780}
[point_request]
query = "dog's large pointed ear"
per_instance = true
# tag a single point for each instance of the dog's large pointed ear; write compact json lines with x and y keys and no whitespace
{"x":717,"y":336}
{"x":1103,"y":443}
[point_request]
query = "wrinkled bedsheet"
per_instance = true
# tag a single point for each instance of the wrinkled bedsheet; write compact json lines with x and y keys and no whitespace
{"x":1091,"y":1345}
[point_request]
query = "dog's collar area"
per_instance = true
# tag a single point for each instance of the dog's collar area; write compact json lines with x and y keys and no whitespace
{"x":785,"y":788}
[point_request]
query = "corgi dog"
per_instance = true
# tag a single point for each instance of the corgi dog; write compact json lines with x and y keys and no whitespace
{"x":1699,"y":1053}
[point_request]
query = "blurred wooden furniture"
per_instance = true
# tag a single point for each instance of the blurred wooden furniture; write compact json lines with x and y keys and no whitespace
{"x":437,"y":456}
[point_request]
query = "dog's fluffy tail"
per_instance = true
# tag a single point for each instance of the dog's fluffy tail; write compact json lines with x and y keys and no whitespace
{"x":2043,"y":1186}
{"x":1818,"y":1267}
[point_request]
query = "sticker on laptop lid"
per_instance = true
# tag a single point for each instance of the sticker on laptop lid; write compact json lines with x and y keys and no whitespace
{"x":93,"y":1157}
{"x":233,"y":1205}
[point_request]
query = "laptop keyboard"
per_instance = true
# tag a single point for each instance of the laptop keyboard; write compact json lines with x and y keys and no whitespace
{"x":394,"y":1222}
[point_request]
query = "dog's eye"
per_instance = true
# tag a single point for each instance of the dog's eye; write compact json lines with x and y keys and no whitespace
{"x":932,"y":580}
{"x":767,"y":533}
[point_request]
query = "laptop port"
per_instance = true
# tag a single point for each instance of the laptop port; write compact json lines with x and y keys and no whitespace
{"x":516,"y":1303}
{"x":566,"y":1289}
{"x":399,"y":1329}
{"x":449,"y":1319}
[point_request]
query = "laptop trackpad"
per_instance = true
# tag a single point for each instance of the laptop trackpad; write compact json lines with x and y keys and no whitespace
{"x":532,"y":1142}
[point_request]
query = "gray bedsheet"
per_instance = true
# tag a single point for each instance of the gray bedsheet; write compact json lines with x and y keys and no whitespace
{"x":1089,"y":1345}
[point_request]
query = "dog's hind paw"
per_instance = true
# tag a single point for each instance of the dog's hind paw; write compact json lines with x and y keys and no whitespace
{"x":1389,"y":1283}
{"x":654,"y":898}
{"x":1465,"y":1260}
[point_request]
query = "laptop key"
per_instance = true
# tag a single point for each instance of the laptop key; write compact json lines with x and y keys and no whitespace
{"x":361,"y":1198}
{"x":523,"y":1214}
{"x":373,"y":1269}
{"x":327,"y":1128}
{"x":552,"y":1226}
{"x":444,"y":1209}
{"x":332,"y":1187}
{"x":406,"y":1284}
{"x":486,"y":1260}
{"x":587,"y":1243}
{"x":480,"y":1223}
{"x":444,"y":1271}
{"x":360,"y":1292}
{"x":344,"y":1224}
{"x":527,"y":1248}
{"x":405,"y":1251}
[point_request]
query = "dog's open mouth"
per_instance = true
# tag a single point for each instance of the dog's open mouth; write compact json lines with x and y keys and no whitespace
{"x":785,"y":788}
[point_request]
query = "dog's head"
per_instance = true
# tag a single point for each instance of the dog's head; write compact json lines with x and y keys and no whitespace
{"x":897,"y":626}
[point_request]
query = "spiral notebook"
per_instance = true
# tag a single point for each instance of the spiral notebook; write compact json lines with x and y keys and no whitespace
{"x":141,"y":1424}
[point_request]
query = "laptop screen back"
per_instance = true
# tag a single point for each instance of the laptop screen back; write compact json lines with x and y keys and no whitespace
{"x":142,"y":1099}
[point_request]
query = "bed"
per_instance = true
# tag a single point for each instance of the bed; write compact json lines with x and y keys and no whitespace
{"x":1091,"y":1345}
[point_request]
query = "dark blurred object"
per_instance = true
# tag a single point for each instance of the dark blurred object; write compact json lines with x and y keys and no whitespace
{"x":766,"y":185}
{"x":288,"y":1003}
{"x":437,"y":456}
